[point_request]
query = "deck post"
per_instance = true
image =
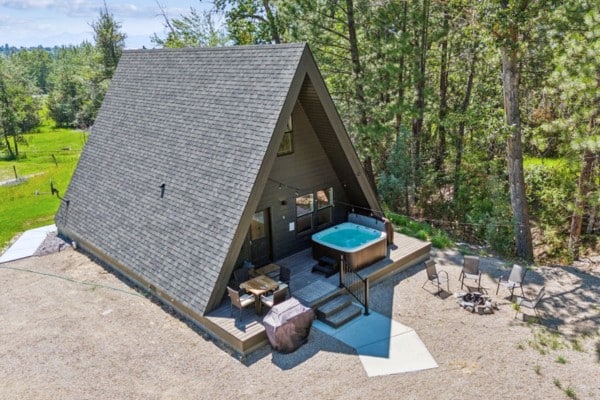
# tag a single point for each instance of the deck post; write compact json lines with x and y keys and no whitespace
{"x":367,"y":296}
{"x":342,"y":266}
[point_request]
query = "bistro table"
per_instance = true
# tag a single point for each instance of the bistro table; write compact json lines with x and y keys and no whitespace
{"x":257,"y":286}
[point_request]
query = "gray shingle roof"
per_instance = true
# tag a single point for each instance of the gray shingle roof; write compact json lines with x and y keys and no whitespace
{"x":198,"y":121}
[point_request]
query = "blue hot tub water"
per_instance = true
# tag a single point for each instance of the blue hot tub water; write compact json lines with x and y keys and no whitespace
{"x":347,"y":236}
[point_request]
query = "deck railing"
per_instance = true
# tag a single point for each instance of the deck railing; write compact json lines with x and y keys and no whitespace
{"x":355,"y":284}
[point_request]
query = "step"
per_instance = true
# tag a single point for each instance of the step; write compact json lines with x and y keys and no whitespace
{"x":317,"y":293}
{"x":341,"y":317}
{"x":334,"y":305}
{"x":323,"y":269}
{"x":327,"y":261}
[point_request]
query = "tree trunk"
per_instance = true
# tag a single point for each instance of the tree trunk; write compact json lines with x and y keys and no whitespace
{"x":405,"y":200}
{"x":356,"y":66}
{"x":401,"y":67}
{"x":584,"y":188}
{"x":11,"y":154}
{"x":440,"y":153}
{"x":591,"y":219}
{"x":7,"y":116}
{"x":516,"y":179}
{"x":368,"y":167}
{"x":275,"y":37}
{"x":419,"y":104}
{"x":460,"y":140}
{"x":16,"y":146}
{"x":359,"y":90}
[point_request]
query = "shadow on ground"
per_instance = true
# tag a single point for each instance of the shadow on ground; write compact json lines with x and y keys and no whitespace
{"x":317,"y":342}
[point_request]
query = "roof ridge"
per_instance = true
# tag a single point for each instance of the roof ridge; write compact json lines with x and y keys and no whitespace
{"x":250,"y":47}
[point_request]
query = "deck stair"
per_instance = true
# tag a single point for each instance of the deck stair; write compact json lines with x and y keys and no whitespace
{"x":331,"y":304}
{"x":338,"y":310}
{"x":326,"y":266}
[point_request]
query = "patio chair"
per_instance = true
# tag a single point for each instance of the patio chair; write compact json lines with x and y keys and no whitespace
{"x":530,"y":303}
{"x":239,"y":301}
{"x":436,"y":277}
{"x":284,"y":276}
{"x":470,"y":270}
{"x":241,"y":275}
{"x":515,"y":280}
{"x":276,"y":297}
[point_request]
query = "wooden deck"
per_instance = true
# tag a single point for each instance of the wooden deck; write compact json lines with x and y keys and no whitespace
{"x":247,"y":333}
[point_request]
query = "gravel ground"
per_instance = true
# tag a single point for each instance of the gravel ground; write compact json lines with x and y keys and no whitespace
{"x":70,"y":330}
{"x":52,"y":244}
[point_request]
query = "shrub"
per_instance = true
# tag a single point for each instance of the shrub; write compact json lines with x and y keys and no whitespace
{"x":550,"y":186}
{"x":570,"y":392}
{"x":557,"y":383}
{"x":420,"y":230}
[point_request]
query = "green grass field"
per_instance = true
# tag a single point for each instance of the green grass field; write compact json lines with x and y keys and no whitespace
{"x":29,"y":204}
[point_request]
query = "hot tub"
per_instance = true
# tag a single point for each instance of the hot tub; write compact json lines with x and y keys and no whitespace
{"x":360,"y":245}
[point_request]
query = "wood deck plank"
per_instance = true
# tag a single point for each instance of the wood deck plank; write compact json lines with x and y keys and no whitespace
{"x":248,"y":333}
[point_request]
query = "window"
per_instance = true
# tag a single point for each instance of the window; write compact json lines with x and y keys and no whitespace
{"x":257,"y":227}
{"x":304,"y":213}
{"x":287,"y":144}
{"x":324,"y":206}
{"x":324,"y":198}
{"x":314,"y":208}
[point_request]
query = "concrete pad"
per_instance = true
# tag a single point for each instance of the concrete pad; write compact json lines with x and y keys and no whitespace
{"x":364,"y":330}
{"x":407,"y":353}
{"x":27,"y":244}
{"x":383,"y":345}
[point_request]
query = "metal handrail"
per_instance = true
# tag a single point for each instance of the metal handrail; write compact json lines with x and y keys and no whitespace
{"x":354,"y":284}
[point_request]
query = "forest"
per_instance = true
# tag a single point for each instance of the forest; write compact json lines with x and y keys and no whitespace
{"x":480,"y":118}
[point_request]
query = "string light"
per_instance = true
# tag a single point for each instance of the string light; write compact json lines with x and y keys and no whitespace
{"x":281,"y":185}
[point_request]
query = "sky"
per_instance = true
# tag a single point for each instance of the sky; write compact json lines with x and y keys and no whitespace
{"x":29,"y":23}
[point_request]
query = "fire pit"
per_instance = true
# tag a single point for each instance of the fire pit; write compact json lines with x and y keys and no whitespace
{"x":476,"y":302}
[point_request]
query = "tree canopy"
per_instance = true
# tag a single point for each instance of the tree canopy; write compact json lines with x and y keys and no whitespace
{"x":110,"y":41}
{"x":478,"y":117}
{"x":19,"y":106}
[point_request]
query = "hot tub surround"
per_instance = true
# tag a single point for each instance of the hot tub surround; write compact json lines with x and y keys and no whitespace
{"x":342,"y":240}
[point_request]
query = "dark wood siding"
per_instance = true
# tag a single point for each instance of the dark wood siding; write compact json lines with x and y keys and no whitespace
{"x":306,"y":170}
{"x":317,"y":114}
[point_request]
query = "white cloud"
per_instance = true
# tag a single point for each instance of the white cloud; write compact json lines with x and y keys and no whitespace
{"x":45,"y":4}
{"x":71,"y":8}
{"x":24,"y":4}
{"x":56,"y":22}
{"x":85,"y":8}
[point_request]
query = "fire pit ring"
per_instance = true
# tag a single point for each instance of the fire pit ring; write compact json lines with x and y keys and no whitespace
{"x":476,"y":302}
